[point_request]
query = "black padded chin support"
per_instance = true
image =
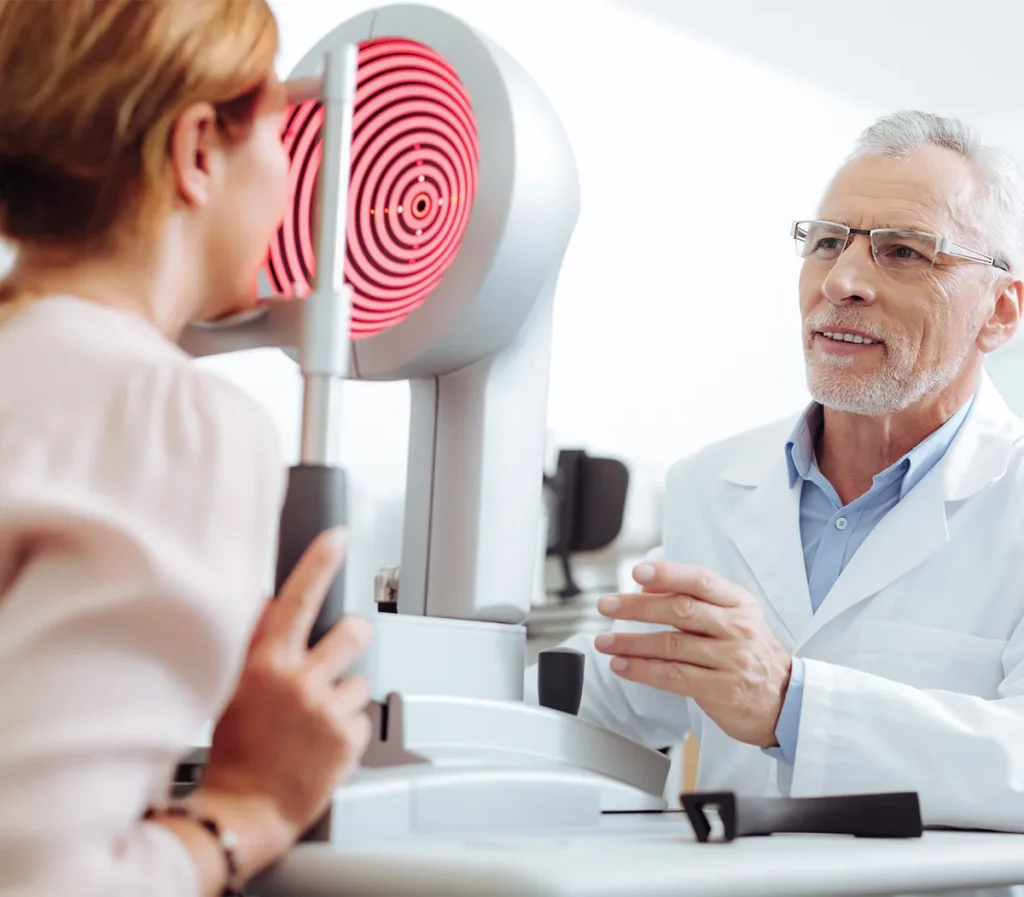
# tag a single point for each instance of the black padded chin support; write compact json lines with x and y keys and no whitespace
{"x":317,"y":499}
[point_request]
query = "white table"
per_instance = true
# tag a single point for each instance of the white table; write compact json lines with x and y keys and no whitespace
{"x":655,"y":857}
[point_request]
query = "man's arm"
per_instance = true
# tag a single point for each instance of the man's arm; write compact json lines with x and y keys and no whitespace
{"x":963,"y":755}
{"x":857,"y":732}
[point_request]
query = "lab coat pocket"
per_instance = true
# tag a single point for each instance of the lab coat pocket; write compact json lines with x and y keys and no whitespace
{"x":931,"y":658}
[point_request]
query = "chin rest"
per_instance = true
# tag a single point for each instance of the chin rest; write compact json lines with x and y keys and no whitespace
{"x":892,"y":815}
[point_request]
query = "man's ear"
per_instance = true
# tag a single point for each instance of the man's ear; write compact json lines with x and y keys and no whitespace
{"x":193,"y":146}
{"x":1002,"y":323}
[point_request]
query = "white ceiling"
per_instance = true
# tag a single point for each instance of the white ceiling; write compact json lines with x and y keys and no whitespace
{"x":951,"y":57}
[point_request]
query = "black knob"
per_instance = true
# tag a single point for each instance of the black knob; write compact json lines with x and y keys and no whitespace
{"x":560,"y":679}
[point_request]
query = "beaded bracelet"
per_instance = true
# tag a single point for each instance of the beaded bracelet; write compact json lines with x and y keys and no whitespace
{"x":226,"y":838}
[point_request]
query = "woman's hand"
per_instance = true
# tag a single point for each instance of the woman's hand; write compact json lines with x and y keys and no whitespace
{"x":295,"y":728}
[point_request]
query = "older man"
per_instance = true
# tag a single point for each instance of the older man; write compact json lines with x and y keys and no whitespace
{"x":840,"y":607}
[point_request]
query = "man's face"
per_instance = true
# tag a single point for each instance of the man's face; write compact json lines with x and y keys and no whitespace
{"x":923,"y":323}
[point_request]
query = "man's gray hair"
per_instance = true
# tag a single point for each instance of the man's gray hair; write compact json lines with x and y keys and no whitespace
{"x":1000,"y":222}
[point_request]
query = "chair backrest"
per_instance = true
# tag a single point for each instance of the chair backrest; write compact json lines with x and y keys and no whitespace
{"x":588,"y":508}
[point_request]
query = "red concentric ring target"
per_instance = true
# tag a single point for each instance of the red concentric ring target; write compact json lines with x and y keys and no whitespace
{"x":415,"y":159}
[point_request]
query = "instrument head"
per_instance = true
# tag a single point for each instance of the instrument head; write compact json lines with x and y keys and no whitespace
{"x":462,"y":197}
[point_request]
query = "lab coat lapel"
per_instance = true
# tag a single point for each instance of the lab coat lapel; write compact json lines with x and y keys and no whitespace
{"x":765,"y":527}
{"x":917,"y":526}
{"x":904,"y":538}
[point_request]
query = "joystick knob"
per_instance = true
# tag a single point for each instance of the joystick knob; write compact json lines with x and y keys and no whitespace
{"x":560,"y":679}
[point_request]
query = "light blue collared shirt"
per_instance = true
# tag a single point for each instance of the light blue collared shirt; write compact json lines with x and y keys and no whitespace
{"x":832,"y":533}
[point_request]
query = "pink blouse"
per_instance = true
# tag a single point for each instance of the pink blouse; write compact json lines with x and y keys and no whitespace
{"x":139,"y":503}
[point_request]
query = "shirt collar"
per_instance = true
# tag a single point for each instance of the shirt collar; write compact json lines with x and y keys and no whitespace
{"x":800,"y":447}
{"x":802,"y":463}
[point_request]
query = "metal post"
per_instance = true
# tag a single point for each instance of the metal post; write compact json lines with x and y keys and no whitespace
{"x":324,"y":350}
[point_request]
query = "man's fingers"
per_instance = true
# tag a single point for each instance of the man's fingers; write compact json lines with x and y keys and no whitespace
{"x":680,"y":611}
{"x":335,"y":653}
{"x":301,"y":597}
{"x":679,"y":678}
{"x":686,"y":579}
{"x":670,"y":644}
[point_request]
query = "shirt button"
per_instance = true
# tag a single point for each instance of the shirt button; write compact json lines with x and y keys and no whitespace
{"x":841,"y":523}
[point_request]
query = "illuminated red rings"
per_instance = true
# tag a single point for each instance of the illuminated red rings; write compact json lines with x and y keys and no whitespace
{"x":415,"y":160}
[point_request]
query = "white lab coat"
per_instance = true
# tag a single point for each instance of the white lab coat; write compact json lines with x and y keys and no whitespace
{"x":915,"y":659}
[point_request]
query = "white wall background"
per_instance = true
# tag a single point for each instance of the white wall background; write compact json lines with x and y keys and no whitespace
{"x":936,"y":55}
{"x":676,"y":318}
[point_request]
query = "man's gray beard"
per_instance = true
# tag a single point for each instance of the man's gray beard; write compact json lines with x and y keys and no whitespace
{"x":894,"y":387}
{"x":884,"y":392}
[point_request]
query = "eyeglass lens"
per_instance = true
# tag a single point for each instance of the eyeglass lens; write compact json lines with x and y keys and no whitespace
{"x":895,"y":249}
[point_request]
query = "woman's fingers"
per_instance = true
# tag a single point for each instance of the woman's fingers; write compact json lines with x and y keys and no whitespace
{"x":295,"y":609}
{"x":331,"y":657}
{"x":347,"y":704}
{"x":350,"y":697}
{"x":358,"y":734}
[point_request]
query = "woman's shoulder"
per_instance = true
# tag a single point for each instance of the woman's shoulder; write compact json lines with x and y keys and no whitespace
{"x":116,"y":403}
{"x":181,"y":422}
{"x":189,"y":406}
{"x":71,"y":369}
{"x":142,"y":454}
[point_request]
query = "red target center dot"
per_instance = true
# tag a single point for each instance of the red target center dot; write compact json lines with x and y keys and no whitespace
{"x":415,"y":158}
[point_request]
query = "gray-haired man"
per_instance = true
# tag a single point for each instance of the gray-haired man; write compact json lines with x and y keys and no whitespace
{"x":840,"y":607}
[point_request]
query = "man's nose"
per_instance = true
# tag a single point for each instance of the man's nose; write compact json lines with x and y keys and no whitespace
{"x":852,"y":277}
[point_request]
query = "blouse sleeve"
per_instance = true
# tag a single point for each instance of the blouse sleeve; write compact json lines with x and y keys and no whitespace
{"x":137,"y":546}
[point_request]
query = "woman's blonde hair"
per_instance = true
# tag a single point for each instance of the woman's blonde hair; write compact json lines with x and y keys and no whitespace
{"x":90,"y":92}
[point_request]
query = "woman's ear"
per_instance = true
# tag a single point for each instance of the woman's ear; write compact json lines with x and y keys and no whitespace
{"x":1002,"y":323}
{"x":193,"y":147}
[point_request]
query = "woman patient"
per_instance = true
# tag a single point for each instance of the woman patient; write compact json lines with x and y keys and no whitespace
{"x":141,"y":177}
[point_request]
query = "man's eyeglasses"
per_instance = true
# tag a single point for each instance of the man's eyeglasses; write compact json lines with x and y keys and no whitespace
{"x":901,"y":250}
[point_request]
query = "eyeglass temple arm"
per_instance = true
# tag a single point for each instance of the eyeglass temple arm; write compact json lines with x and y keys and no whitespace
{"x":950,"y":248}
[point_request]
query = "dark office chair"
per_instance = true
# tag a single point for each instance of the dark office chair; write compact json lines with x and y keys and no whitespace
{"x":587,"y":503}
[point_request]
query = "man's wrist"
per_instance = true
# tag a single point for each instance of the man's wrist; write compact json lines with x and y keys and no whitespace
{"x":787,"y":726}
{"x":771,"y":739}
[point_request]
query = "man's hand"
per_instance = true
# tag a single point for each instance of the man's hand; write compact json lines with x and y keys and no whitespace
{"x":719,"y":649}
